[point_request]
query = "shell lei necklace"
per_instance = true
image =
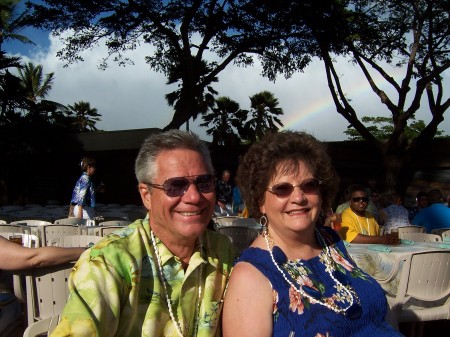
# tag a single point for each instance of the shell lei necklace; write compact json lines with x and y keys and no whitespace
{"x":359,"y":224}
{"x":168,"y":300}
{"x":352,"y":310}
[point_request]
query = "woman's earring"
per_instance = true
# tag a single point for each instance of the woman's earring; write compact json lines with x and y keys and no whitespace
{"x":263,"y":221}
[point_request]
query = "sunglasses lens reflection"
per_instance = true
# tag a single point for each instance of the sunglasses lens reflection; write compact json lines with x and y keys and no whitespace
{"x":309,"y":186}
{"x":176,"y":187}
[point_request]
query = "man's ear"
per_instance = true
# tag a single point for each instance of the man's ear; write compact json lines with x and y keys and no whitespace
{"x":145,"y":193}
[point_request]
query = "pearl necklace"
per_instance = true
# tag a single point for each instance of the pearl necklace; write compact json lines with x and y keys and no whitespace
{"x":353,"y":310}
{"x":168,"y":300}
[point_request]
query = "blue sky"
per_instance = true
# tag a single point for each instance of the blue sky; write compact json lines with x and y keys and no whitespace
{"x":133,"y":97}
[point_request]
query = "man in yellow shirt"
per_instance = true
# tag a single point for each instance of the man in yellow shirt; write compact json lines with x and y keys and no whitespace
{"x":358,"y":224}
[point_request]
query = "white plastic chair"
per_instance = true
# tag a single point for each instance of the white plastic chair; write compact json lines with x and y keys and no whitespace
{"x":424,"y":289}
{"x":422,"y":237}
{"x":105,"y":230}
{"x":46,"y":290}
{"x":249,"y":222}
{"x":445,"y":235}
{"x":409,"y":229}
{"x":44,"y":327}
{"x":241,"y":236}
{"x":49,"y":232}
{"x":75,"y":241}
{"x":224,"y":221}
{"x":116,"y":223}
{"x":71,"y":221}
{"x":439,"y":231}
{"x":28,"y":240}
{"x":11,"y":228}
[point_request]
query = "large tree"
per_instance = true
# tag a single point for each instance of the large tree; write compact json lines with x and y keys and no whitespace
{"x":192,"y":40}
{"x":379,"y":36}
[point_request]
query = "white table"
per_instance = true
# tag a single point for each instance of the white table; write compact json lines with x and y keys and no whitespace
{"x":385,"y":267}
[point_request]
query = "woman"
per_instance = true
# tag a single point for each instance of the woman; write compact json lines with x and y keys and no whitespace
{"x":82,"y":204}
{"x":393,"y":214}
{"x":297,"y":279}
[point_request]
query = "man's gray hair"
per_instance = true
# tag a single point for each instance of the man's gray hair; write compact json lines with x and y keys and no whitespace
{"x":145,"y":167}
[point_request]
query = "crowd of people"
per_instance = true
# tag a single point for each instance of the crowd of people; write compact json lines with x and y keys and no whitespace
{"x":168,"y":275}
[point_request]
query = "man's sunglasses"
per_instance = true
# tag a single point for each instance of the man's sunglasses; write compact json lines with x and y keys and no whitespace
{"x":284,"y":190}
{"x":359,"y":199}
{"x":177,"y":186}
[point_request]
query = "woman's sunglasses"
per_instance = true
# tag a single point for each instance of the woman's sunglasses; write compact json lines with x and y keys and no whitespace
{"x":284,"y":190}
{"x":359,"y":199}
{"x":177,"y":186}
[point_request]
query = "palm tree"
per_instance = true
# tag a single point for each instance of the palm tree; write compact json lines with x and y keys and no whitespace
{"x":224,"y":121}
{"x":85,"y":116}
{"x":264,"y":111}
{"x":10,"y":23}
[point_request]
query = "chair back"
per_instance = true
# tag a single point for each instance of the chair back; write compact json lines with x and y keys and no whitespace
{"x":409,"y":229}
{"x":46,"y":290}
{"x":241,"y":236}
{"x":71,"y":221}
{"x":11,"y":228}
{"x":44,"y":327}
{"x":422,"y":237}
{"x":439,"y":231}
{"x":116,"y":223}
{"x":103,"y":231}
{"x":224,"y":221}
{"x":49,"y":232}
{"x":28,"y":240}
{"x":424,"y":288}
{"x":75,"y":241}
{"x":248,"y":222}
{"x":446,"y":236}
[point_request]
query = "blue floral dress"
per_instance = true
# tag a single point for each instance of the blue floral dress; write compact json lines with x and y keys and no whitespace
{"x":294,"y":315}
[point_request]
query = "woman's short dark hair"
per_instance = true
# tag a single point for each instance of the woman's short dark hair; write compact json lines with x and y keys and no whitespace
{"x":281,"y":152}
{"x":86,"y":162}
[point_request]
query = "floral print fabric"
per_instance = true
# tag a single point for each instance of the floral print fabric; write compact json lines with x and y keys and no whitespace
{"x":84,"y":192}
{"x":294,"y":313}
{"x":115,"y":289}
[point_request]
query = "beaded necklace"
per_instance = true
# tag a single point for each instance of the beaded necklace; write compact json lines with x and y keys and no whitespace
{"x":352,"y":310}
{"x":359,"y":224}
{"x":168,"y":300}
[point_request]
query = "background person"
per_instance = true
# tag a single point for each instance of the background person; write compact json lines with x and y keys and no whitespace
{"x":82,"y":204}
{"x":224,"y":193}
{"x":358,"y":224}
{"x":393,"y":214}
{"x":436,"y":215}
{"x":297,"y":279}
{"x":164,"y":275}
{"x":421,"y":203}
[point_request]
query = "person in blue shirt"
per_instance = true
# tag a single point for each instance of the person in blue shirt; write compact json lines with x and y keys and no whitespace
{"x":436,"y":215}
{"x":82,"y":204}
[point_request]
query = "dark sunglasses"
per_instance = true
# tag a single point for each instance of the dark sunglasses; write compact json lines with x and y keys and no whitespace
{"x":283,"y":190}
{"x":359,"y":199}
{"x":177,"y":186}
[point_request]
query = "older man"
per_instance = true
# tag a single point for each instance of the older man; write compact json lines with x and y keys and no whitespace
{"x":164,"y":275}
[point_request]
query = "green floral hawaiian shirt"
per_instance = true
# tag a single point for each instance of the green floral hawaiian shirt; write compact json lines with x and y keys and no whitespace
{"x":115,"y":288}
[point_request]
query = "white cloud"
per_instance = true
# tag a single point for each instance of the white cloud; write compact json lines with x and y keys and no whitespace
{"x":133,"y":96}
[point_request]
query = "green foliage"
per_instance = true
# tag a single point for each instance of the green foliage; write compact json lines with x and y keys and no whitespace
{"x":84,"y":117}
{"x":382,"y":128}
{"x":231,"y":125}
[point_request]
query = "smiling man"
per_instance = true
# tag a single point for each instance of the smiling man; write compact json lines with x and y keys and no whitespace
{"x":164,"y":275}
{"x":358,"y":224}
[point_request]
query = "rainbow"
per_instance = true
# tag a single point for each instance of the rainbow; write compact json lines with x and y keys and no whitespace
{"x":326,"y":105}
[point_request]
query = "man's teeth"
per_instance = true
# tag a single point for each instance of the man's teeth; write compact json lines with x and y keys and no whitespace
{"x":189,"y":213}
